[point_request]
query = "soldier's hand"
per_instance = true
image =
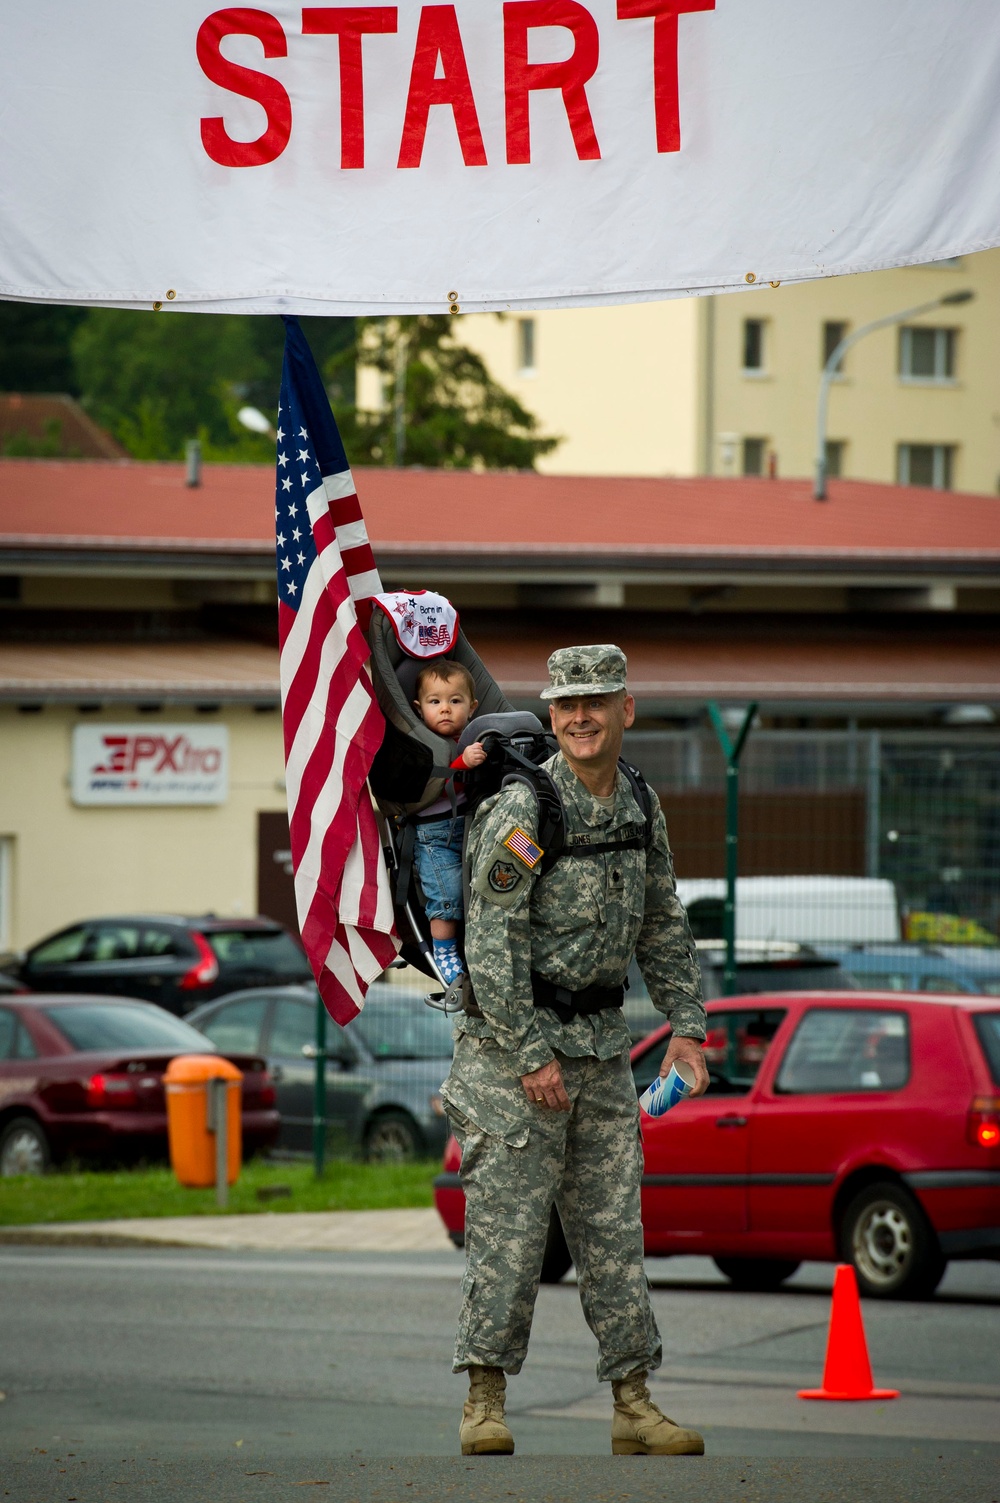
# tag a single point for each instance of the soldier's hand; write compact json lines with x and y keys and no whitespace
{"x":690,"y":1051}
{"x":544,"y":1088}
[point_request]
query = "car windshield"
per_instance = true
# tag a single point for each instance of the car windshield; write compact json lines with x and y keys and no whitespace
{"x":101,"y":1025}
{"x":404,"y":1029}
{"x":988,"y":1028}
{"x":270,"y":950}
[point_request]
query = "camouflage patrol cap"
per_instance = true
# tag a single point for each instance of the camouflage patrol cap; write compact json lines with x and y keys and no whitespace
{"x":599,"y":669}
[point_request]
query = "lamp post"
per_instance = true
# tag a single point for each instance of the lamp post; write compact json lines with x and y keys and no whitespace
{"x":836,"y":355}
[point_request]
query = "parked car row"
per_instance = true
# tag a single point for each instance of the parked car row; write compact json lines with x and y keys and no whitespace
{"x":177,"y":962}
{"x":82,"y":1077}
{"x":383,"y":1072}
{"x":862,"y":1127}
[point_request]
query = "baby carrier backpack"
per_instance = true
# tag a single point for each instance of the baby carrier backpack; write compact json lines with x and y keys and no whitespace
{"x":412,"y":771}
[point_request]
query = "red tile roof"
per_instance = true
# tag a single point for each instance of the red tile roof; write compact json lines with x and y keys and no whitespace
{"x":34,"y":413}
{"x":93,"y":503}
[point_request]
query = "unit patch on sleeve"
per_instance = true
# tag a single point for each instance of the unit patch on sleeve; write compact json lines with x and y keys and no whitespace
{"x":520,"y":844}
{"x":503,"y":876}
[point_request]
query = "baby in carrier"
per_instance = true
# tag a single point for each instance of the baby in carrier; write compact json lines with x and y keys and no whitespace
{"x":446,"y":702}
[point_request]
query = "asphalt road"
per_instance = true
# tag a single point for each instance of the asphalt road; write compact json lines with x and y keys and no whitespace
{"x":188,"y":1375}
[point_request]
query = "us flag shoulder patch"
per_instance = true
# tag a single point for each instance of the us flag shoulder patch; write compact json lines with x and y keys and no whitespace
{"x":523,"y":847}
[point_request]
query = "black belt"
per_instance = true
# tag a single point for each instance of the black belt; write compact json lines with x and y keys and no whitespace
{"x":568,"y":1005}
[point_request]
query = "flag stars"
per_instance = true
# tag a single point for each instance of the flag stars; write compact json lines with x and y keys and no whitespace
{"x":282,"y":459}
{"x":303,"y":434}
{"x":304,"y":477}
{"x":286,"y":563}
{"x":279,"y":435}
{"x":292,"y":587}
{"x":286,"y":485}
{"x":303,"y":456}
{"x":296,"y":534}
{"x":301,"y":558}
{"x":292,"y":508}
{"x":281,"y":540}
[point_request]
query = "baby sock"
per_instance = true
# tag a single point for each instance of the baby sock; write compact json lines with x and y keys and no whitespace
{"x":448,"y":960}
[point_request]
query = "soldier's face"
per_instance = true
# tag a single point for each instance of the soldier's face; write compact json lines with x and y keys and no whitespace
{"x":590,"y":729}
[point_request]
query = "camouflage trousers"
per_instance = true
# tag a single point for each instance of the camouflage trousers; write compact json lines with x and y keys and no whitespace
{"x":517,"y":1159}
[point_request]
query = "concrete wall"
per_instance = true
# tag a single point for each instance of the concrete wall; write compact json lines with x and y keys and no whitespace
{"x":66,"y":863}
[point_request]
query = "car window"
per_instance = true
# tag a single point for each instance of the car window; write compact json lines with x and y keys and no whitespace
{"x":114,"y":942}
{"x":404,"y":1029}
{"x":847,"y":1049}
{"x":270,"y":950}
{"x":735,"y":1045}
{"x":988,"y":1029}
{"x":61,"y":949}
{"x":237,"y":1026}
{"x":100,"y":1025}
{"x":943,"y":984}
{"x":294,"y":1025}
{"x":163,"y":943}
{"x":8,"y":1033}
{"x":885,"y":981}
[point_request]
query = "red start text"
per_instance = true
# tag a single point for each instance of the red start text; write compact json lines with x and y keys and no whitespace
{"x":439,"y":76}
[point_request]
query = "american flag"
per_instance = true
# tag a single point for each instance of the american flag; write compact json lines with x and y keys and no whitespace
{"x":332,"y":724}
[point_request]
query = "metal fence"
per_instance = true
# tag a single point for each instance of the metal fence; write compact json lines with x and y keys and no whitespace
{"x":846,"y":837}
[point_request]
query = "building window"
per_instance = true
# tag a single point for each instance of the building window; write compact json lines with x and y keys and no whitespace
{"x":753,"y":344}
{"x":926,"y":464}
{"x":927,"y":354}
{"x":833,"y":333}
{"x":836,"y":448}
{"x":754,"y":451}
{"x":526,"y":345}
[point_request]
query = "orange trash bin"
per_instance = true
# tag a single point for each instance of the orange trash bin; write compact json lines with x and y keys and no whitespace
{"x":192,"y":1142}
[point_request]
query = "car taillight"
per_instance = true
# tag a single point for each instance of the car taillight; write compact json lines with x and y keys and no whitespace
{"x":205,"y":968}
{"x":266,"y":1094}
{"x":982,"y":1126}
{"x":111,"y":1090}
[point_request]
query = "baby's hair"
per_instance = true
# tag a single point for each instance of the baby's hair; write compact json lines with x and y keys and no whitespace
{"x":446,"y":669}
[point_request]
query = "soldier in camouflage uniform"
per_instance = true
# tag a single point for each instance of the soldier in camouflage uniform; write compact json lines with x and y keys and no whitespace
{"x":540,"y":1093}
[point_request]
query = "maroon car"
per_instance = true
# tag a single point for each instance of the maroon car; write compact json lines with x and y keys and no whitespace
{"x":82,"y":1078}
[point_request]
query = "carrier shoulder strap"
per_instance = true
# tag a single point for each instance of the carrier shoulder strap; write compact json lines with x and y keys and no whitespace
{"x":552,"y":814}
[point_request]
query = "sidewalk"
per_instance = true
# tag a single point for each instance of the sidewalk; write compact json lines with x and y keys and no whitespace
{"x":266,"y":1231}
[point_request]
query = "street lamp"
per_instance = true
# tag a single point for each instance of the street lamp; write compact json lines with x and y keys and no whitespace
{"x":830,"y":370}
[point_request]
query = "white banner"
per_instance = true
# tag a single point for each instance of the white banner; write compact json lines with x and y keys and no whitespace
{"x":481,"y":155}
{"x":150,"y":764}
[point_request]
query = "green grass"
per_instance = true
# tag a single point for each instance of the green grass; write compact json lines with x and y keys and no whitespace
{"x":103,"y":1196}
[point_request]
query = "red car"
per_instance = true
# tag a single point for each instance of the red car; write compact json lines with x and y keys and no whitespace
{"x":82,"y":1078}
{"x":859,"y":1126}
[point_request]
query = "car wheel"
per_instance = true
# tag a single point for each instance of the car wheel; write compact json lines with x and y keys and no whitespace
{"x":391,"y":1138}
{"x":756,"y":1273}
{"x":556,"y":1260}
{"x":24,"y":1148}
{"x":891,"y":1244}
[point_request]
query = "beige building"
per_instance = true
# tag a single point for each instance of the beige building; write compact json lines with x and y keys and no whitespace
{"x":728,"y":385}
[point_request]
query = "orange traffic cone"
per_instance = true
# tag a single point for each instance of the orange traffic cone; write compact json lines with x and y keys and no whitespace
{"x":847,"y":1373}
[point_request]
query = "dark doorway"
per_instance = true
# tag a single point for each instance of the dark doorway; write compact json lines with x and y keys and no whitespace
{"x":275,"y":888}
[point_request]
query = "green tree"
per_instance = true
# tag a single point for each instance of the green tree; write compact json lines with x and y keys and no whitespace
{"x":157,"y":380}
{"x":442,"y":407}
{"x":35,"y":347}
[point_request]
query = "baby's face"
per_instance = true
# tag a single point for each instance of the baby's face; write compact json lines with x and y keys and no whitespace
{"x":445,"y":706}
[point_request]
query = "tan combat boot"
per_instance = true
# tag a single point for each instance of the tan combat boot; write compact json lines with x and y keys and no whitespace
{"x":639,"y":1429}
{"x":483,"y":1431}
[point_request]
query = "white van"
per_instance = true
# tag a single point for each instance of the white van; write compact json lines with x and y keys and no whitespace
{"x":810,"y":910}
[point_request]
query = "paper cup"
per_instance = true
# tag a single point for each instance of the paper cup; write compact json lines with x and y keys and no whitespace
{"x":665,"y":1093}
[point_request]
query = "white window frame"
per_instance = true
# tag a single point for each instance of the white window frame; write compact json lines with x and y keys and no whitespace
{"x":942,"y":460}
{"x":942,"y":338}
